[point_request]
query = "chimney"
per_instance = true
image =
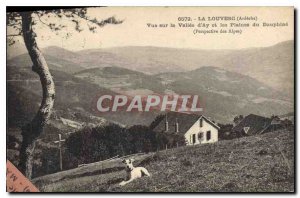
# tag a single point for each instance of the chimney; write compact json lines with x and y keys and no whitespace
{"x":166,"y":124}
{"x":176,"y":126}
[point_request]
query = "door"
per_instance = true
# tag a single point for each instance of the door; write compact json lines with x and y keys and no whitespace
{"x":200,"y":137}
{"x":194,"y":138}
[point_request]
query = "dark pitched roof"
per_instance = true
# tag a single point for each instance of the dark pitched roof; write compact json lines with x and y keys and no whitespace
{"x":185,"y":122}
{"x":255,"y":123}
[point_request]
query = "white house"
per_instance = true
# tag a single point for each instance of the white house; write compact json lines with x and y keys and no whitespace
{"x":197,"y":129}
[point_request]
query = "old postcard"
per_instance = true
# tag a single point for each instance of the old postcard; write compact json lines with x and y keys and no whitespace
{"x":150,"y":99}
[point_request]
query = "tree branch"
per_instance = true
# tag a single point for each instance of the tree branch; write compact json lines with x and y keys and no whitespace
{"x":42,"y":21}
{"x":110,"y":20}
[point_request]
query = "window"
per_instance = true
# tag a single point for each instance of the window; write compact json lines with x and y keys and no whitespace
{"x":208,"y":135}
{"x":201,"y":122}
{"x":246,"y":129}
{"x":200,"y":136}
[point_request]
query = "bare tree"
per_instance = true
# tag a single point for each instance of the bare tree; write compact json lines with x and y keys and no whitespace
{"x":23,"y":24}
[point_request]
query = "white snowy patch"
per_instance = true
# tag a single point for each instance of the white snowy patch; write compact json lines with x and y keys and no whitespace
{"x":133,"y":92}
{"x":169,"y":91}
{"x":262,"y":88}
{"x":71,"y":123}
{"x":222,"y":78}
{"x":220,"y":71}
{"x":262,"y":99}
{"x":223,"y":93}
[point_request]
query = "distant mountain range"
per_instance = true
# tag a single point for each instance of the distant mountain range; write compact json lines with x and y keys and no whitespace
{"x":229,"y":82}
{"x":272,"y":65}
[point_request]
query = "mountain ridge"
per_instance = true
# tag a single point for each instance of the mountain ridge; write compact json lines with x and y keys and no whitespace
{"x":275,"y":61}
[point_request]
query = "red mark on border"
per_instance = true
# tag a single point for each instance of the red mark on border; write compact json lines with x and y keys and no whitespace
{"x":16,"y":181}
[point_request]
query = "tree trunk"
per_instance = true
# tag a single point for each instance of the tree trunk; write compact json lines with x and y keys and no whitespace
{"x":33,"y":130}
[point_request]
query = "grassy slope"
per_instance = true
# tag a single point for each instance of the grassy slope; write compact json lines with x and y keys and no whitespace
{"x":257,"y":163}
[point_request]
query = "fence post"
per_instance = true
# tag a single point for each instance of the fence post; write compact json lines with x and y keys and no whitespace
{"x":101,"y":166}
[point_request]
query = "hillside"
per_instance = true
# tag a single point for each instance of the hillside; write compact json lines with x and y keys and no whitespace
{"x":263,"y":163}
{"x":223,"y":94}
{"x":73,"y":109}
{"x":15,"y":50}
{"x":75,"y":101}
{"x":122,"y":80}
{"x":55,"y":62}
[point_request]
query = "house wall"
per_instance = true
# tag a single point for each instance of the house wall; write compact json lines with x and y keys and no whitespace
{"x":196,"y":129}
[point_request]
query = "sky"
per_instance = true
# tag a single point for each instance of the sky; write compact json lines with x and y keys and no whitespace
{"x":134,"y":31}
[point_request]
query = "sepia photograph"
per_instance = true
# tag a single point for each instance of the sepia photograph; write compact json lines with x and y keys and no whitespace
{"x":150,"y":99}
